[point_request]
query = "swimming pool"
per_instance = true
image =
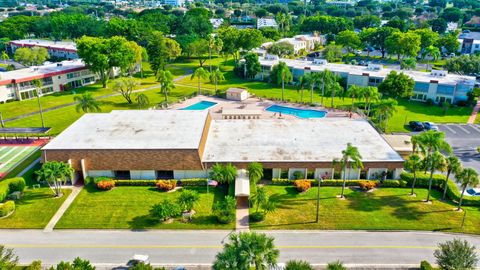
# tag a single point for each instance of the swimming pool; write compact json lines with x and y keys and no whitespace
{"x":300,"y":113}
{"x":202,"y":105}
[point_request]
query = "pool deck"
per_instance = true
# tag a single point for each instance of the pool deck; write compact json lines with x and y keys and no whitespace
{"x":254,"y":104}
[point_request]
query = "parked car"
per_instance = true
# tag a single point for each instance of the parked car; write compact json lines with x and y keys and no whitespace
{"x":138,"y":258}
{"x":473,"y":191}
{"x":430,"y":126}
{"x":416,"y":125}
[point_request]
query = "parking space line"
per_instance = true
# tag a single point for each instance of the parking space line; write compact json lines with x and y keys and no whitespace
{"x":449,"y":128}
{"x":464,"y":129}
{"x":474,"y":127}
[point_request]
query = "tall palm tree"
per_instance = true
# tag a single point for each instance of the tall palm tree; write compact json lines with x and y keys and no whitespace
{"x":384,"y":110}
{"x":452,"y":165}
{"x":335,"y":88}
{"x":431,"y":141}
{"x":260,"y":198}
{"x":433,"y":52}
{"x":142,"y":100}
{"x":215,"y":77}
{"x":86,"y":103}
{"x":415,"y":140}
{"x":466,"y":177}
{"x":55,"y":173}
{"x":303,"y":82}
{"x":38,"y":88}
{"x":351,"y":159}
{"x":413,"y":163}
{"x":255,"y":171}
{"x":355,"y":92}
{"x":214,"y":44}
{"x":4,"y":57}
{"x":435,"y":161}
{"x":165,"y":78}
{"x":283,"y":75}
{"x":327,"y":78}
{"x":200,"y":74}
{"x":370,"y":94}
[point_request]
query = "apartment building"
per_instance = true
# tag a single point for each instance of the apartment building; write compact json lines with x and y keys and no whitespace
{"x":60,"y":49}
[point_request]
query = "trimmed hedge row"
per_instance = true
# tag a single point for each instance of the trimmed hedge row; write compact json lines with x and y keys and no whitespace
{"x":6,"y":208}
{"x":183,"y":182}
{"x":119,"y":183}
{"x":337,"y":183}
{"x":8,"y":186}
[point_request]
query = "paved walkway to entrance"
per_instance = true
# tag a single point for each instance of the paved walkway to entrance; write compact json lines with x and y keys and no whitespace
{"x":51,"y":224}
{"x":472,"y":117}
{"x":242,"y":213}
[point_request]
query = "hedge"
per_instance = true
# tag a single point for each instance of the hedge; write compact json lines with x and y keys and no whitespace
{"x":454,"y":194}
{"x":183,"y":182}
{"x":193,"y":182}
{"x":423,"y":178}
{"x":338,"y":183}
{"x":119,"y":183}
{"x":6,"y":208}
{"x":8,"y":186}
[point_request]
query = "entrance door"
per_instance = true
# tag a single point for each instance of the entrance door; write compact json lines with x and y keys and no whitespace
{"x":267,"y":174}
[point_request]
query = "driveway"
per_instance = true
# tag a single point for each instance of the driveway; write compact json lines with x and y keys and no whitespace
{"x":464,"y":139}
{"x":106,"y":247}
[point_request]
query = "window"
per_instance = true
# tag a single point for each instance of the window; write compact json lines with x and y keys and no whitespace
{"x":122,"y":174}
{"x":443,"y":99}
{"x":418,"y":96}
{"x":28,"y":94}
{"x":88,"y":80}
{"x":372,"y":81}
{"x":165,"y":175}
{"x":445,"y":89}
{"x":421,"y":87}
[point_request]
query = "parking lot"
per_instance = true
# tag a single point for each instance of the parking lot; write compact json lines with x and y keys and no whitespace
{"x":464,"y":139}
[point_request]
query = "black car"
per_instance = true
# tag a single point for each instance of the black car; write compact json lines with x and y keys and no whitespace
{"x":416,"y":126}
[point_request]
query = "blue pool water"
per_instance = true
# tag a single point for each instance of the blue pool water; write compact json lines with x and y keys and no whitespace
{"x":202,"y":105}
{"x":300,"y":113}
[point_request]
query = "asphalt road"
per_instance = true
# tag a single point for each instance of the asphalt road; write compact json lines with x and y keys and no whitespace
{"x":113,"y":248}
{"x":464,"y":140}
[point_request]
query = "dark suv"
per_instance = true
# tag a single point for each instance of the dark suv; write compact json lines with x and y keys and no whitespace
{"x":416,"y":126}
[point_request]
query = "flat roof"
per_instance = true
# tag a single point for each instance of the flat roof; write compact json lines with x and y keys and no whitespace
{"x":418,"y":76}
{"x":294,"y":140}
{"x":27,"y":130}
{"x":59,"y":45}
{"x":135,"y":129}
{"x":38,"y":72}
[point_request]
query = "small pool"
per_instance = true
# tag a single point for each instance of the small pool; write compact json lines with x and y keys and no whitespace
{"x":202,"y":105}
{"x":300,"y":113}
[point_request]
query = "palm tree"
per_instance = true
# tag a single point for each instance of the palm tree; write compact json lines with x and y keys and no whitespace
{"x":283,"y":75}
{"x":466,"y":177}
{"x":415,"y":140}
{"x":55,"y":173}
{"x":214,"y":43}
{"x":215,"y":77}
{"x":355,"y":92}
{"x":335,"y":88}
{"x":38,"y":88}
{"x":246,"y":250}
{"x":432,"y":51}
{"x":165,"y":78}
{"x":351,"y":159}
{"x":453,"y":165}
{"x":383,"y":111}
{"x":86,"y":103}
{"x":224,"y":174}
{"x":370,"y":94}
{"x":255,"y":171}
{"x":312,"y":79}
{"x":431,"y":141}
{"x":327,"y":78}
{"x":435,"y":161}
{"x":142,"y":100}
{"x":260,"y":198}
{"x":4,"y":57}
{"x":200,"y":74}
{"x":413,"y":163}
{"x":303,"y":82}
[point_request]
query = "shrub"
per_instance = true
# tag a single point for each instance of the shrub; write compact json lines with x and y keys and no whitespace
{"x":302,"y":185}
{"x":225,"y":210}
{"x":187,"y":199}
{"x":35,"y":265}
{"x":282,"y":182}
{"x":6,"y":208}
{"x":257,"y":216}
{"x":165,"y":210}
{"x":193,"y":182}
{"x":456,"y":254}
{"x":96,"y":180}
{"x":135,"y":182}
{"x":393,"y":183}
{"x":367,"y":185}
{"x":454,"y":194}
{"x":166,"y":185}
{"x":423,"y":178}
{"x":106,"y":184}
{"x":424,"y":265}
{"x":6,"y":188}
{"x":298,"y":265}
{"x":298,"y":175}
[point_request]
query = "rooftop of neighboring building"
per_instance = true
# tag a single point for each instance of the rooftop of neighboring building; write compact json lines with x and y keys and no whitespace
{"x":65,"y":45}
{"x":469,"y":35}
{"x":419,"y":76}
{"x":38,"y":72}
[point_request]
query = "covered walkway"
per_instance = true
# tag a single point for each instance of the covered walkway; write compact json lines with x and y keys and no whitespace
{"x":242,"y":192}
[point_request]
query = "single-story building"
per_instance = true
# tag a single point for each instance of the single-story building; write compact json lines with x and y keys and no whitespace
{"x":178,"y":144}
{"x":238,"y":94}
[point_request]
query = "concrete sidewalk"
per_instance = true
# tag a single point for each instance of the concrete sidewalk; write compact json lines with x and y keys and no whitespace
{"x":473,"y":116}
{"x":51,"y":224}
{"x":242,"y":213}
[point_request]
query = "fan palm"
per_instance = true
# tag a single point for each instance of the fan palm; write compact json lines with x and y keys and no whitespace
{"x":466,"y":177}
{"x":431,"y":141}
{"x":370,"y":94}
{"x":142,"y":100}
{"x":413,"y":164}
{"x":303,"y":82}
{"x":351,"y":159}
{"x":215,"y":77}
{"x":433,"y":52}
{"x":200,"y":74}
{"x":86,"y":103}
{"x":327,"y":78}
{"x":55,"y":173}
{"x":355,"y":92}
{"x":335,"y":88}
{"x":165,"y":78}
{"x":435,"y":161}
{"x":283,"y":75}
{"x":383,"y":111}
{"x":453,"y":166}
{"x":255,"y":171}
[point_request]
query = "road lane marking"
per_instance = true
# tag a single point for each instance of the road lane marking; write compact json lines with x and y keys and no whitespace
{"x":205,"y":246}
{"x":451,"y":130}
{"x":464,"y":129}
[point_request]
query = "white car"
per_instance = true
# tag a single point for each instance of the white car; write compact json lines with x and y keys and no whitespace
{"x":138,"y":258}
{"x":473,"y":191}
{"x":430,"y":126}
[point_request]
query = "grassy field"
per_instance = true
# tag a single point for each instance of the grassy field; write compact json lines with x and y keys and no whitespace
{"x":128,"y":208}
{"x":35,"y":209}
{"x":382,"y":209}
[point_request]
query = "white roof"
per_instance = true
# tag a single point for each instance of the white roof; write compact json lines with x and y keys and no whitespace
{"x":418,"y":76}
{"x":273,"y":140}
{"x":32,"y":72}
{"x":135,"y":129}
{"x":242,"y":184}
{"x":65,"y":45}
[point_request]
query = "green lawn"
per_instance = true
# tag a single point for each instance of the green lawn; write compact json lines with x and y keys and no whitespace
{"x":128,"y":208}
{"x":382,"y":209}
{"x":36,"y":207}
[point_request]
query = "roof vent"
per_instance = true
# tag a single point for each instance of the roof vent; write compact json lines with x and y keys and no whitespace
{"x":319,"y":61}
{"x":439,"y":73}
{"x":375,"y":67}
{"x":59,"y":64}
